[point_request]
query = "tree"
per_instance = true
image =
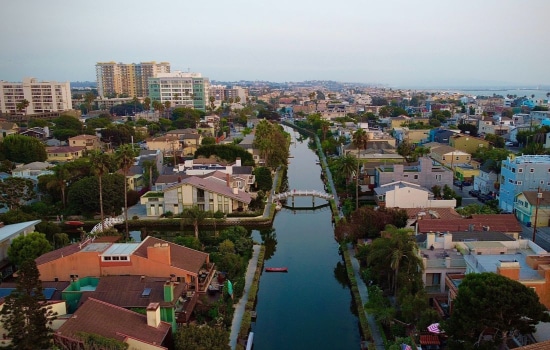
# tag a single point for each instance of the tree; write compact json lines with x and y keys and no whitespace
{"x":195,"y":216}
{"x":59,"y":181}
{"x":147,"y":103}
{"x":22,"y":105}
{"x":28,"y":247}
{"x":201,"y":337}
{"x":264,"y":182}
{"x":125,"y":159}
{"x":23,"y":149}
{"x":209,"y":140}
{"x":272,"y":142}
{"x":360,"y":139}
{"x":25,"y":315}
{"x":82,"y":197}
{"x":89,"y":98}
{"x":14,"y":191}
{"x":491,"y":304}
{"x":150,"y":172}
{"x":347,"y":165}
{"x":100,"y":166}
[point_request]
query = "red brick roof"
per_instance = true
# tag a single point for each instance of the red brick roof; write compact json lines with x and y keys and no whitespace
{"x":110,"y":321}
{"x":126,"y":291}
{"x":429,"y":339}
{"x":494,"y":222}
{"x":181,"y":257}
{"x":545,"y":345}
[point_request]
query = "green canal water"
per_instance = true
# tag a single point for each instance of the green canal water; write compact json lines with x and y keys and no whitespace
{"x":310,"y":307}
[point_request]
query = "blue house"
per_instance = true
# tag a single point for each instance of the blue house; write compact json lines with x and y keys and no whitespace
{"x":522,"y":173}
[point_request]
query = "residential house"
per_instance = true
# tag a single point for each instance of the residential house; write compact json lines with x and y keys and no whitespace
{"x":401,"y":194}
{"x":37,"y":132}
{"x":8,"y":128}
{"x":466,"y":171}
{"x":505,"y":223}
{"x":487,"y":125}
{"x":151,"y":257}
{"x":528,"y":206}
{"x":447,"y":155}
{"x":7,"y":234}
{"x":64,"y":153}
{"x":189,"y":139}
{"x":522,"y":173}
{"x":412,"y":136}
{"x":209,"y":194}
{"x":539,"y":116}
{"x":487,"y":179}
{"x":425,"y":174}
{"x":32,"y":170}
{"x":89,"y":142}
{"x":135,"y":293}
{"x":166,"y":144}
{"x":520,"y":260}
{"x":248,"y":144}
{"x":467,"y":143}
{"x":441,"y":135}
{"x":112,"y":322}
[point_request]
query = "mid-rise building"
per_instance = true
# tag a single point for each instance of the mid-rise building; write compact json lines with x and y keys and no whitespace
{"x":180,"y":89}
{"x":130,"y":79}
{"x":425,"y":174}
{"x":522,"y":173}
{"x":43,"y":97}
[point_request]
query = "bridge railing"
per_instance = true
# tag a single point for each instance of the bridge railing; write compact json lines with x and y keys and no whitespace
{"x":106,"y":224}
{"x":301,"y":193}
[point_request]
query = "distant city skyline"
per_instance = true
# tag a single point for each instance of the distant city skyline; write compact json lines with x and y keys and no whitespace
{"x":394,"y":43}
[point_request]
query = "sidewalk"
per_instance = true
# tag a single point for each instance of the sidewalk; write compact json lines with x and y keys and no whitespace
{"x":364,"y":293}
{"x":239,"y":307}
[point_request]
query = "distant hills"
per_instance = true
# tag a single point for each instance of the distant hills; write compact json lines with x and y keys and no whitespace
{"x":83,"y":84}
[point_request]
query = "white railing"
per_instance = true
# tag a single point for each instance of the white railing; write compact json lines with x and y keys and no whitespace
{"x":106,"y":224}
{"x":301,"y":193}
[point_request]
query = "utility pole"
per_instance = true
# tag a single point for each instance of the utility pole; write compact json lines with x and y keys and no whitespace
{"x":539,"y":197}
{"x":357,"y":187}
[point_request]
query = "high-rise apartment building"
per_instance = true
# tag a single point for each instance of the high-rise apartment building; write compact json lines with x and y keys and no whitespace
{"x":522,"y":173}
{"x":130,"y":79}
{"x":222,"y":93}
{"x":43,"y":97}
{"x":181,"y":89}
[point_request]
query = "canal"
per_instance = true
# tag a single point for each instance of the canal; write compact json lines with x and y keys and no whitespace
{"x":310,"y":307}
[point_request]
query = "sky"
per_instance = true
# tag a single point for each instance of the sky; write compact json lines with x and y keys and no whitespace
{"x":400,"y":43}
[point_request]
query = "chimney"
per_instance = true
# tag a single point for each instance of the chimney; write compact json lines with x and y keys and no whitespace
{"x":238,"y":161}
{"x":509,"y":269}
{"x":235,"y":190}
{"x":159,"y":253}
{"x":153,"y":315}
{"x":168,"y":291}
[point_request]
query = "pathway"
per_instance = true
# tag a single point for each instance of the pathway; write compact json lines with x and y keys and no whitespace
{"x":239,"y":307}
{"x":364,"y":293}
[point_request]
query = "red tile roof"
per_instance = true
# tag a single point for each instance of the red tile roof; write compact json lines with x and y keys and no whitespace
{"x":545,"y":345}
{"x":429,"y":339}
{"x":126,"y":291}
{"x":110,"y":321}
{"x":181,"y":257}
{"x":494,"y":222}
{"x":433,"y":213}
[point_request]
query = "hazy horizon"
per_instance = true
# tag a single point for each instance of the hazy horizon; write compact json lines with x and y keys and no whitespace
{"x":396,"y":43}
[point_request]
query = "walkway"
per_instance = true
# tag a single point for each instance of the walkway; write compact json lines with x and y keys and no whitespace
{"x":267,"y":209}
{"x":364,"y":293}
{"x":239,"y":307}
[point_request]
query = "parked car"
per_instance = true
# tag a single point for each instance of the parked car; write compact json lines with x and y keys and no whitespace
{"x":484,"y":198}
{"x":474,"y":193}
{"x":457,"y":183}
{"x":466,"y":183}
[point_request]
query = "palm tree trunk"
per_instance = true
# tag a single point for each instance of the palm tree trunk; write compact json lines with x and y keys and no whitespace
{"x":101,"y":205}
{"x":126,"y":206}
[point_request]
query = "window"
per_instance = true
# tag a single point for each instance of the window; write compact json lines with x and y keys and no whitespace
{"x":416,"y":177}
{"x":107,"y":258}
{"x":123,"y":258}
{"x":513,"y":170}
{"x":519,"y":182}
{"x":457,"y":158}
{"x":531,"y":170}
{"x":520,"y":170}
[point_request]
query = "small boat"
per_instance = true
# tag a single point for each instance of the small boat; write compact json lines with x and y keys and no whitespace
{"x":74,"y":223}
{"x":276,"y":269}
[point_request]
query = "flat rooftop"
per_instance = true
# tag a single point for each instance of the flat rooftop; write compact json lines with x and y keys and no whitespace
{"x":489,"y":263}
{"x":125,"y":249}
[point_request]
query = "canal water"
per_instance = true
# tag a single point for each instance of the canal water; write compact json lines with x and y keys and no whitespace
{"x":310,"y":307}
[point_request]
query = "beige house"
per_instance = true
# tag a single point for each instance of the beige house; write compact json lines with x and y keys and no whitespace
{"x":8,"y":128}
{"x":401,"y":194}
{"x":165,"y":144}
{"x":64,"y":153}
{"x":89,"y":142}
{"x":208,"y":194}
{"x":447,"y":155}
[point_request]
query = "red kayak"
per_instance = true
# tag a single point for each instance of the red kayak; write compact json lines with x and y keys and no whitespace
{"x":74,"y":223}
{"x":276,"y":269}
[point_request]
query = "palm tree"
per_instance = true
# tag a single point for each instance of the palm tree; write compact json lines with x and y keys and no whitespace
{"x":147,"y":103}
{"x":325,"y":125}
{"x":100,"y":166}
{"x":360,"y":139}
{"x":125,"y":159}
{"x":59,"y":181}
{"x":195,"y":216}
{"x":22,"y":105}
{"x":347,"y":165}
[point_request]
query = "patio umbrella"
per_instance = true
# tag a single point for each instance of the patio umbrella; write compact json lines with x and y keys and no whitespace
{"x":434,"y":328}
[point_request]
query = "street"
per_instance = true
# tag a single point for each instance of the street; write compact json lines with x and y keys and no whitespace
{"x":466,"y":197}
